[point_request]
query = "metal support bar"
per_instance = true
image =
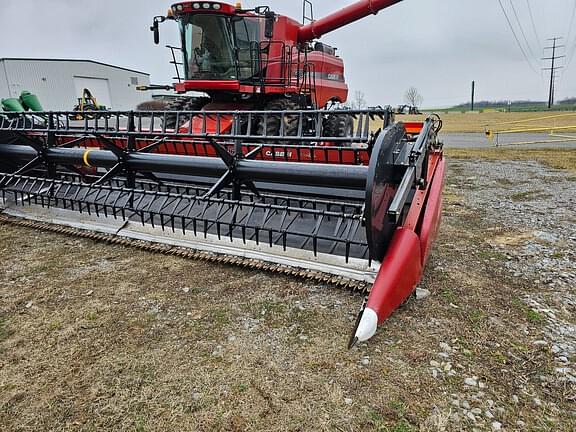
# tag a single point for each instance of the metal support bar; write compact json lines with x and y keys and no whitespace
{"x":152,"y":124}
{"x":252,"y":170}
{"x":401,"y":196}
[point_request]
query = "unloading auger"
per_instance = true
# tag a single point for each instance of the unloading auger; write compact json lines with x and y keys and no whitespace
{"x":363,"y":215}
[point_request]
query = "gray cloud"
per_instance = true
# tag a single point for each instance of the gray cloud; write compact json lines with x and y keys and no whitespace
{"x":437,"y":46}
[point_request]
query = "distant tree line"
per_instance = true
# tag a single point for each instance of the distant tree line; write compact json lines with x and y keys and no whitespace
{"x":519,"y":105}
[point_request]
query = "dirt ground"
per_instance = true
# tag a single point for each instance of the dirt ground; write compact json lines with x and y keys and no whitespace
{"x":98,"y":337}
{"x":456,"y":122}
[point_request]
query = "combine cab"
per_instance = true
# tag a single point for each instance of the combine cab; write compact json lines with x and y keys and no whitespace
{"x":282,"y":190}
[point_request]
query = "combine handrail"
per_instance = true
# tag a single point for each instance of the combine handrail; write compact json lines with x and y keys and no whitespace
{"x":153,"y":123}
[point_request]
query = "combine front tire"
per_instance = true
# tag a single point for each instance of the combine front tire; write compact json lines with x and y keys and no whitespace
{"x":174,"y":105}
{"x":272,"y":125}
{"x":338,"y":126}
{"x":182,"y":104}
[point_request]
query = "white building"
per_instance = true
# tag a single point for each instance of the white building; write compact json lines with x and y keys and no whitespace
{"x":59,"y":83}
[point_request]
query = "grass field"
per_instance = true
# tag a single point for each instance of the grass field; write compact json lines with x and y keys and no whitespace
{"x":476,"y":122}
{"x":554,"y":158}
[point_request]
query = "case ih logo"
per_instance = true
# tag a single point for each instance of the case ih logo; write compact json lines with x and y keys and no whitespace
{"x":270,"y":153}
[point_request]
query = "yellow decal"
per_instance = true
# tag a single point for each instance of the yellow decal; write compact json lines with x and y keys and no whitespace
{"x":85,"y":157}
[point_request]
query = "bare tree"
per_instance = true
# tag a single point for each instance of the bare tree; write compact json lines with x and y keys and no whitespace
{"x":358,"y":101}
{"x":413,"y":97}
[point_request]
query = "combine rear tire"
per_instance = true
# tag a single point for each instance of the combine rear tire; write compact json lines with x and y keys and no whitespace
{"x":338,"y":126}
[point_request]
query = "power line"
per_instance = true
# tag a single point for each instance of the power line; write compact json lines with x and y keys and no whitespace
{"x":516,"y":37}
{"x":571,"y":22}
{"x":571,"y":55}
{"x":534,"y":23}
{"x":573,"y":48}
{"x":522,"y":29}
{"x":570,"y":51}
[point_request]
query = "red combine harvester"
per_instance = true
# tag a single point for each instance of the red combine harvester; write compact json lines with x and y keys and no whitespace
{"x":268,"y":172}
{"x":258,"y":60}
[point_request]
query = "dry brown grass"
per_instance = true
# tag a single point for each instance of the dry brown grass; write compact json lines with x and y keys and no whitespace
{"x":476,"y":122}
{"x":97,"y":337}
{"x":555,"y":158}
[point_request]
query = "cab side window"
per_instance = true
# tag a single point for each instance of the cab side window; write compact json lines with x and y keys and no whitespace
{"x":247,"y":31}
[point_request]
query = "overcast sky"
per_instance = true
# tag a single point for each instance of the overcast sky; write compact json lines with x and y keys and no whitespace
{"x":437,"y":46}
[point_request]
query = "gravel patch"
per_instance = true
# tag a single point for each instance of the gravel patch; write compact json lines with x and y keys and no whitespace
{"x":537,"y":207}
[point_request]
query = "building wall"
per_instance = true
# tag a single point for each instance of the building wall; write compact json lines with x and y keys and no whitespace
{"x":53,"y":81}
{"x":4,"y":91}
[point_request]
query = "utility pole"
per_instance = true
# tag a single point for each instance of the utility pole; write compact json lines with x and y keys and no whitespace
{"x":473,"y":91}
{"x":553,"y":68}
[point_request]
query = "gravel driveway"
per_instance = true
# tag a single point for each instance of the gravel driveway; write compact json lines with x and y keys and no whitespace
{"x":538,"y":208}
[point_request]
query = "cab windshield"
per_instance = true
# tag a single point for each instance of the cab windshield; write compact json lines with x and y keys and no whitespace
{"x":208,"y":46}
{"x":218,"y":48}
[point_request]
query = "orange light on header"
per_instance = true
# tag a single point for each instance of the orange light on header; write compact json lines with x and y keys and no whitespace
{"x":238,"y":5}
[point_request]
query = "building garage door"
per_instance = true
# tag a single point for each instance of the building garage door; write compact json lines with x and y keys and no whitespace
{"x":98,"y":87}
